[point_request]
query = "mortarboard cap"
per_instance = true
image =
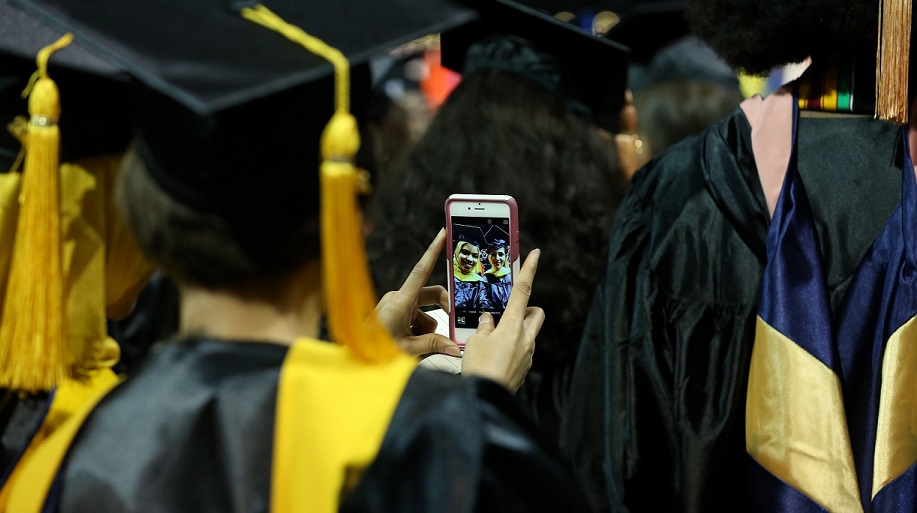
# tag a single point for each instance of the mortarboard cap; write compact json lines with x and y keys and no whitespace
{"x":94,"y":90}
{"x":52,"y":306}
{"x":481,"y":235}
{"x":495,"y":234}
{"x":230,"y":114}
{"x":663,"y":49}
{"x":233,"y":87}
{"x":589,"y":71}
{"x":687,"y":58}
{"x":646,"y":26}
{"x":203,"y":54}
{"x":469,"y":233}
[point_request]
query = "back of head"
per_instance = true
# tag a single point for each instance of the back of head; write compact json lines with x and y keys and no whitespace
{"x":756,"y":37}
{"x":676,"y":109}
{"x":215,"y":203}
{"x":682,"y":89}
{"x":243,"y":253}
{"x":500,"y":133}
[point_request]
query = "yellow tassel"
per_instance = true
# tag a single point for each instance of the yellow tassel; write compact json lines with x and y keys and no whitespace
{"x":348,"y":290}
{"x":892,"y":61}
{"x":349,"y":295}
{"x":33,"y":342}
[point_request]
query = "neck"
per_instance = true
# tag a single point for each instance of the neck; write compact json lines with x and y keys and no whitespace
{"x":280,"y":318}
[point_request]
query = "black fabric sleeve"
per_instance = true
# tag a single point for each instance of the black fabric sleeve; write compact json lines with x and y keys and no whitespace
{"x":655,"y":420}
{"x":584,"y":439}
{"x":461,"y":445}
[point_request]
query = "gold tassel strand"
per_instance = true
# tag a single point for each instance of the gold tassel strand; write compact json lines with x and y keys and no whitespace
{"x":348,"y":290}
{"x":33,"y":342}
{"x":892,"y":62}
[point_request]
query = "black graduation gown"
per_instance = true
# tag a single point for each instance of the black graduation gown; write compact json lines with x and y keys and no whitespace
{"x":656,"y":415}
{"x":192,"y":431}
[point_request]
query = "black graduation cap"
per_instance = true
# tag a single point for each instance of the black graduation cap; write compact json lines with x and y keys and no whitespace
{"x":93,"y":90}
{"x":663,"y":48}
{"x":231,"y":107}
{"x":648,"y":25}
{"x":249,"y":104}
{"x":472,"y":233}
{"x":589,"y":71}
{"x":495,"y":233}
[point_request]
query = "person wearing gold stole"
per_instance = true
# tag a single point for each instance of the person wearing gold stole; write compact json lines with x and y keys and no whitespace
{"x":67,"y":261}
{"x":239,"y":184}
{"x":750,"y":345}
{"x":498,"y":276}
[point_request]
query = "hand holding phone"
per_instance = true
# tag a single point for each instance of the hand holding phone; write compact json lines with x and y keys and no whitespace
{"x":399,"y":311}
{"x":482,"y":258}
{"x":504,"y":353}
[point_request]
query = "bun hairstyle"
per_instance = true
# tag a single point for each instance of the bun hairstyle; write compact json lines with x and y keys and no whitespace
{"x":755,"y":36}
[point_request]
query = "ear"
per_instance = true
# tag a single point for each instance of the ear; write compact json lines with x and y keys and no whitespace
{"x":633,"y":151}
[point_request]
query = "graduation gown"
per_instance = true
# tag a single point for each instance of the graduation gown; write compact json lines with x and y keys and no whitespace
{"x":193,"y":430}
{"x":656,"y":417}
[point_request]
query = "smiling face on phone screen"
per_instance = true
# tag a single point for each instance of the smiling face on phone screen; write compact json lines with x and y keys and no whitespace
{"x":467,"y":257}
{"x":497,"y":257}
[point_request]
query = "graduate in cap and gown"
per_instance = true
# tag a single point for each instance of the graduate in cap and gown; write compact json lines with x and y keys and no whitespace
{"x":67,"y":261}
{"x":468,"y":283}
{"x":749,"y":347}
{"x":498,"y":275}
{"x":531,"y":118}
{"x":247,"y":410}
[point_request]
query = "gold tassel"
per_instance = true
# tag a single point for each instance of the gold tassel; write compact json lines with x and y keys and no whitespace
{"x":33,"y":332}
{"x":348,"y":290}
{"x":349,"y":295}
{"x":892,"y":60}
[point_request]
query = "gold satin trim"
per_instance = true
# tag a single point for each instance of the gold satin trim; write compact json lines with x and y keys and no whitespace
{"x":332,"y":413}
{"x":104,"y":269}
{"x":10,"y":185}
{"x":896,"y":433}
{"x":794,"y":422}
{"x":27,"y":488}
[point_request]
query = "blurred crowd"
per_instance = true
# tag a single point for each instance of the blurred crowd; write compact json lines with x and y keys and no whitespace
{"x":710,"y":310}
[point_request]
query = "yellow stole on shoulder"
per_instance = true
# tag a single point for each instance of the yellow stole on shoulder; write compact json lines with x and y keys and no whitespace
{"x":27,"y":488}
{"x":332,"y":413}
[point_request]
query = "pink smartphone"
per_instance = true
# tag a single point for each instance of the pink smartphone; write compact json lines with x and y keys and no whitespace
{"x":482,"y":258}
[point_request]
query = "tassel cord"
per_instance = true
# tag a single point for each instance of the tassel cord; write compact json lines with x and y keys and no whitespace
{"x":348,"y":290}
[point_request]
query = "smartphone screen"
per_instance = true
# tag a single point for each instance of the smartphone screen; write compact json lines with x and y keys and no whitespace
{"x":482,"y":277}
{"x":482,"y":258}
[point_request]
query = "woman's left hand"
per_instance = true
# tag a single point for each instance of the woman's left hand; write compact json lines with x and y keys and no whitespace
{"x":399,"y":311}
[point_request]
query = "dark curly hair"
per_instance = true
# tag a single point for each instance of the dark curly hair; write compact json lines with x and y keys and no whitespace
{"x":757,"y":35}
{"x":499,"y":133}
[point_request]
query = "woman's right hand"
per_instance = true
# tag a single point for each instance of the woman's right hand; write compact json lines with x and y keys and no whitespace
{"x":504,"y":354}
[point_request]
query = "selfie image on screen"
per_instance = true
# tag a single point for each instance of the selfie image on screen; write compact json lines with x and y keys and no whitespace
{"x":481,"y":273}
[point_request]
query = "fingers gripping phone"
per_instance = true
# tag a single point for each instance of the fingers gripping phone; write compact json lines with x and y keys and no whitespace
{"x":482,"y":258}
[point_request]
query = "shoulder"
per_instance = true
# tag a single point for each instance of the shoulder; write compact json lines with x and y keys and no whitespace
{"x":695,"y":208}
{"x":459,"y":445}
{"x":154,"y":434}
{"x":685,"y":167}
